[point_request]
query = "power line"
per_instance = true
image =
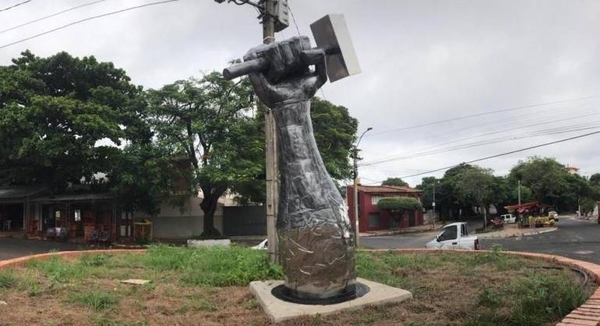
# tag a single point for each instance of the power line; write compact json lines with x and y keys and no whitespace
{"x":51,"y":15}
{"x":479,"y":115}
{"x":534,"y":133}
{"x":504,"y":154}
{"x":15,"y":5}
{"x":87,"y":19}
{"x":294,"y":19}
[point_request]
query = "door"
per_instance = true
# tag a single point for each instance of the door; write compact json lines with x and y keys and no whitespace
{"x":449,"y":238}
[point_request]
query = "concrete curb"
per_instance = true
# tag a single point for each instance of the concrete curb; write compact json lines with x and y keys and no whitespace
{"x":588,"y":314}
{"x":16,"y":262}
{"x":515,"y":235}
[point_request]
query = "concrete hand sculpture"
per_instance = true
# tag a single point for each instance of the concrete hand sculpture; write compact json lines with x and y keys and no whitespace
{"x":315,"y":241}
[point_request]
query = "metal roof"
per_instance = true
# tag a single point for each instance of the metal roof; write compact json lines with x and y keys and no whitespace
{"x":19,"y":192}
{"x":387,"y":189}
{"x":75,"y":197}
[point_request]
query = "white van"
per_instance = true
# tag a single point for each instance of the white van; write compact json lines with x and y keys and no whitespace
{"x":508,"y":218}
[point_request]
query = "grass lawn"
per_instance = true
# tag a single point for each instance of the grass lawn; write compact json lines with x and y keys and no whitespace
{"x":209,"y":287}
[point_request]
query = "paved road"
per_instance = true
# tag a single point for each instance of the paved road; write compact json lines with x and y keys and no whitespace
{"x":407,"y":240}
{"x":12,"y":248}
{"x":574,"y":238}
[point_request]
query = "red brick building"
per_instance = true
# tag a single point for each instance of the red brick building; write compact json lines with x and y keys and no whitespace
{"x":370,"y":217}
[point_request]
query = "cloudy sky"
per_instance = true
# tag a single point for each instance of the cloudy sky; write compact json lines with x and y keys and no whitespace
{"x":443,"y":82}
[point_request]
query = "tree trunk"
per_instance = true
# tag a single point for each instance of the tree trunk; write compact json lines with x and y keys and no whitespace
{"x":209,"y":207}
{"x":484,"y":217}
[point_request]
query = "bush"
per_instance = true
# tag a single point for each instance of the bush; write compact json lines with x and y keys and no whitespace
{"x":96,"y":300}
{"x":399,"y":204}
{"x":214,"y":266}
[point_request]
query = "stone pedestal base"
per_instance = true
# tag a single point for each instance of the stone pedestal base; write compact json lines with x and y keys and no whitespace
{"x":279,"y":310}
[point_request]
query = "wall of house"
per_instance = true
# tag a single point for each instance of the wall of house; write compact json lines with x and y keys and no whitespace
{"x":172,"y":223}
{"x":385,"y":221}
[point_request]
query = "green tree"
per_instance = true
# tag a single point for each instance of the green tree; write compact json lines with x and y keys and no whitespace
{"x":428,"y":186}
{"x":476,"y":186}
{"x":145,"y":176}
{"x":544,"y":176}
{"x":500,"y":192}
{"x":334,"y":131}
{"x":399,"y":206}
{"x":451,"y":201}
{"x":394,"y":182}
{"x":209,"y":122}
{"x":59,"y":115}
{"x":595,"y":179}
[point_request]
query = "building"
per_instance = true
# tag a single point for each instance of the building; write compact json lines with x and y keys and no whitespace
{"x":369,"y":215}
{"x":572,"y":169}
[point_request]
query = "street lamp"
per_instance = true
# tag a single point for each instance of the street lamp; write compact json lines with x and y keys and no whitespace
{"x":355,"y":149}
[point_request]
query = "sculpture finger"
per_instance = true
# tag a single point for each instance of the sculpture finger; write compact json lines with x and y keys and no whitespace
{"x":263,"y":88}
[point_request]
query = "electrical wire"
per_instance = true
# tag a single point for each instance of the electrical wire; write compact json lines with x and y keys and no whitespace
{"x":505,"y":153}
{"x":481,"y":142}
{"x":86,"y":19}
{"x":51,"y":15}
{"x":15,"y":5}
{"x":294,"y":19}
{"x":479,"y":115}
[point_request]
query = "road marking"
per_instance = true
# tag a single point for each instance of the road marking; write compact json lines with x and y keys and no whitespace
{"x":583,"y":252}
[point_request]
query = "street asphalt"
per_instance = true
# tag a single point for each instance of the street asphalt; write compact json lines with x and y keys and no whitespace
{"x":577,"y":239}
{"x":13,"y":248}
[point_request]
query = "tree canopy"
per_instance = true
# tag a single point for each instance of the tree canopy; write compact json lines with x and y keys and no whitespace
{"x":61,"y":116}
{"x":466,"y":187}
{"x":208,"y":121}
{"x":394,"y":182}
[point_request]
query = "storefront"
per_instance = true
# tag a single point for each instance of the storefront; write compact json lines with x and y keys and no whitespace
{"x":78,"y":215}
{"x":16,"y":206}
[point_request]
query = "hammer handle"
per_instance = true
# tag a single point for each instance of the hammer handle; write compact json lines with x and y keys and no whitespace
{"x":244,"y":68}
{"x":309,"y":57}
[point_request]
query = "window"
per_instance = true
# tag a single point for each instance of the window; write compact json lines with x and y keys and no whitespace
{"x":448,"y":234}
{"x":375,"y":199}
{"x":463,"y":230}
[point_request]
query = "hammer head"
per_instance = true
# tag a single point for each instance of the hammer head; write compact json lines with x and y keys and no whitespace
{"x":331,"y":32}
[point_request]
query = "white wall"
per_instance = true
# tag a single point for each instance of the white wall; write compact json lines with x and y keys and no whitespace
{"x":172,"y":223}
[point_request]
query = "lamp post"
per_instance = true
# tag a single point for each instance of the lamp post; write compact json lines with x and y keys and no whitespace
{"x":356,"y":224}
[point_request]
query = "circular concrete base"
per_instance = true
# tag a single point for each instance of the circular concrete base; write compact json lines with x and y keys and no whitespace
{"x":352,"y":292}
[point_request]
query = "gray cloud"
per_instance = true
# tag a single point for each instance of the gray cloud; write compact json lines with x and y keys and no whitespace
{"x":422,"y":61}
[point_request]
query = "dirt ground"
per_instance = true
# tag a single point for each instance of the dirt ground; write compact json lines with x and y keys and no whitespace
{"x":443,"y":295}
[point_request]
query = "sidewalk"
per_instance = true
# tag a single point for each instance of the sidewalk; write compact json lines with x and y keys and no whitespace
{"x":511,"y":230}
{"x":412,"y":229}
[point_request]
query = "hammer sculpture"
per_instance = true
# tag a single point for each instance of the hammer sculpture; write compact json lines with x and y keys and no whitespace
{"x":315,"y":239}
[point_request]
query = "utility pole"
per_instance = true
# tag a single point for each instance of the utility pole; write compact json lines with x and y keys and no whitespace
{"x":274,"y":14}
{"x":271,"y":149}
{"x":356,"y":220}
{"x":433,"y":203}
{"x":519,"y":191}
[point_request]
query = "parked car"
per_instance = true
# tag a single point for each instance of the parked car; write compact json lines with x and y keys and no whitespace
{"x":553,"y":215}
{"x":508,"y":218}
{"x":454,"y":236}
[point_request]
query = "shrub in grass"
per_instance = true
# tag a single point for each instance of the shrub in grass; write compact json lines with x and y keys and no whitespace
{"x":58,"y":269}
{"x":165,"y":258}
{"x":8,"y":279}
{"x":213,"y":266}
{"x":93,"y":260}
{"x":535,"y":300}
{"x":97,"y":300}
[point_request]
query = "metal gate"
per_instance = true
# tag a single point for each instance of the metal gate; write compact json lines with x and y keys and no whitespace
{"x":244,"y":220}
